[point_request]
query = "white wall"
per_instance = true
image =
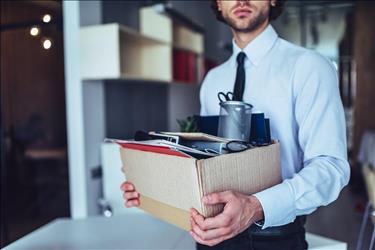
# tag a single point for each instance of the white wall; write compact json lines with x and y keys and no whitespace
{"x":74,"y":109}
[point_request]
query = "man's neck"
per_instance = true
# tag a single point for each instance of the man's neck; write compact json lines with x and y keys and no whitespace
{"x":242,"y":39}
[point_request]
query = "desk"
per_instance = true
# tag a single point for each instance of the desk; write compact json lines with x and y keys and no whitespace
{"x":136,"y":231}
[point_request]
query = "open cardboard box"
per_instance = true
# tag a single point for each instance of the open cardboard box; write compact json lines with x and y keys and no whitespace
{"x":170,"y":185}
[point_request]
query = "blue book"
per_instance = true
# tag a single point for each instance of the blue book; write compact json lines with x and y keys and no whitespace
{"x":208,"y":124}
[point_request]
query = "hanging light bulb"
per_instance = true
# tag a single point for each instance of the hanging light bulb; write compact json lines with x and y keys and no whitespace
{"x":47,"y":43}
{"x":34,"y":31}
{"x":47,"y":18}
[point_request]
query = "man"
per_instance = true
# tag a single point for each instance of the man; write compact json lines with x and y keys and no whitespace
{"x":298,"y":91}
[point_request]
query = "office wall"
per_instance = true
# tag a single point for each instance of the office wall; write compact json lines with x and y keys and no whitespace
{"x":183,"y":101}
{"x":94,"y":134}
{"x":133,"y":106}
{"x":90,"y":12}
{"x":123,"y":12}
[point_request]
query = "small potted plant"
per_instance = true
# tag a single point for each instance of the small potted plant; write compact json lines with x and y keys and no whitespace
{"x":189,"y":125}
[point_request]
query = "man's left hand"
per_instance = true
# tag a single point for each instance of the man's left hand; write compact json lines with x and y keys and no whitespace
{"x":240,"y":211}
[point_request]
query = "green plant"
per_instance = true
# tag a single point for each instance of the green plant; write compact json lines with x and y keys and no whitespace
{"x":189,"y":125}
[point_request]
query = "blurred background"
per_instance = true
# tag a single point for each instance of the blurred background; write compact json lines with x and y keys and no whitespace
{"x":75,"y":73}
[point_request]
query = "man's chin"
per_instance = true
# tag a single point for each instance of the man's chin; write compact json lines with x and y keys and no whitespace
{"x":243,"y":28}
{"x":242,"y":22}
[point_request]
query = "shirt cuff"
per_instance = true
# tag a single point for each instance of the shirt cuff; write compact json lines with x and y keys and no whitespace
{"x":278,"y":205}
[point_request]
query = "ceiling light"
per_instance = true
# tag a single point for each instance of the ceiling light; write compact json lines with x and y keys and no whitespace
{"x":47,"y":18}
{"x":47,"y":43}
{"x":34,"y":31}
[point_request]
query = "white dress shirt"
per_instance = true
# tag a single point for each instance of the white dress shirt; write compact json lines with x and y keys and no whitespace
{"x":298,"y":90}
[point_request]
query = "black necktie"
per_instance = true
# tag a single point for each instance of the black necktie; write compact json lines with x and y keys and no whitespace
{"x":239,"y":85}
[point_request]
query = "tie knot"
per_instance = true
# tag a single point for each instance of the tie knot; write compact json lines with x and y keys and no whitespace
{"x":241,"y":58}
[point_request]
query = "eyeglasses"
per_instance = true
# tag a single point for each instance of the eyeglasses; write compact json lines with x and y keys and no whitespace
{"x":239,"y":146}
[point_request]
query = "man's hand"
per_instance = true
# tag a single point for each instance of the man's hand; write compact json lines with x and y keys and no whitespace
{"x":240,"y":211}
{"x":130,"y":196}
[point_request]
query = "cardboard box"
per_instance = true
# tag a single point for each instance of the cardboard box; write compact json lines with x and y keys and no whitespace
{"x":170,"y":185}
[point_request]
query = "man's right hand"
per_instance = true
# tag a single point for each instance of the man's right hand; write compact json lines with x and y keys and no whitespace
{"x":130,"y":196}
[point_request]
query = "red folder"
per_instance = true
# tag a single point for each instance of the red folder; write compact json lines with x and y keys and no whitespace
{"x":191,"y":67}
{"x":179,"y":65}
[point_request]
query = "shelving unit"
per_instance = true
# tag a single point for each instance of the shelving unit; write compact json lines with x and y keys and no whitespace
{"x":112,"y":51}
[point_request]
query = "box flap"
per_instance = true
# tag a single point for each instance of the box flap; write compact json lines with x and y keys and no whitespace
{"x":253,"y":170}
{"x":168,"y":179}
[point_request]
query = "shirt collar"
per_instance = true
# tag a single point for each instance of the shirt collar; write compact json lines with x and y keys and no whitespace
{"x":257,"y":48}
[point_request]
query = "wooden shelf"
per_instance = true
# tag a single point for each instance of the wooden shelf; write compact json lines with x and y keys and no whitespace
{"x":185,"y":38}
{"x":111,"y":51}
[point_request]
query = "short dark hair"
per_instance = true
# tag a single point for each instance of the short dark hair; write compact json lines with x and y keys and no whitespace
{"x":275,"y":11}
